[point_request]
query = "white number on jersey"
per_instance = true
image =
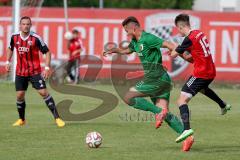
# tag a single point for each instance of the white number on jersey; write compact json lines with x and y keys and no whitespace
{"x":205,"y":46}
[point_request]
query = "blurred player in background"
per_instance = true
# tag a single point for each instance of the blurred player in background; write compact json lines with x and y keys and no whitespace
{"x":156,"y":83}
{"x":204,"y":72}
{"x":75,"y":47}
{"x":28,"y":69}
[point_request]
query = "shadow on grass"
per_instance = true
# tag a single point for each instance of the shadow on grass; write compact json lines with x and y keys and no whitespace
{"x":205,"y":149}
{"x":99,"y":148}
{"x":85,"y":124}
{"x":218,"y":149}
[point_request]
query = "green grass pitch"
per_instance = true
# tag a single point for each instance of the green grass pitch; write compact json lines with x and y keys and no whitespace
{"x":125,"y":135}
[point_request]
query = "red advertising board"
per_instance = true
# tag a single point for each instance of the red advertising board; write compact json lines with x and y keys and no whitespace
{"x":99,"y":26}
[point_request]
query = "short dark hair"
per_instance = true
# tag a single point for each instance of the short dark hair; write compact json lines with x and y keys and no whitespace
{"x":25,"y":17}
{"x":130,"y":19}
{"x":182,"y":18}
{"x":75,"y":31}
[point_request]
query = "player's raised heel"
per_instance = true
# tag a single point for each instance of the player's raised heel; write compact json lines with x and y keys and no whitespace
{"x":60,"y":122}
{"x":187,"y":144}
{"x":19,"y":122}
{"x":160,"y":117}
{"x":227,"y":108}
{"x":184,"y":135}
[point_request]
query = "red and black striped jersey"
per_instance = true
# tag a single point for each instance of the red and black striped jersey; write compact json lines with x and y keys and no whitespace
{"x":27,"y":49}
{"x":197,"y":44}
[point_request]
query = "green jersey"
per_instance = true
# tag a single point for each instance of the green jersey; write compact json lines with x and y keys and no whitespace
{"x":148,"y":50}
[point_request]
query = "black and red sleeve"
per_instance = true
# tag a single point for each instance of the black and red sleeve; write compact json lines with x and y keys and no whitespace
{"x":186,"y":44}
{"x":11,"y":44}
{"x":41,"y":46}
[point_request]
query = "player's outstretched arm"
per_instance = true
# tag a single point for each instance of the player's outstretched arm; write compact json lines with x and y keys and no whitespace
{"x":179,"y":50}
{"x":187,"y":57}
{"x":174,"y":54}
{"x":172,"y":46}
{"x":169,"y":45}
{"x":118,"y":51}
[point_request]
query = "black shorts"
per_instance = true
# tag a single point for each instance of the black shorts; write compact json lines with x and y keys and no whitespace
{"x":194,"y":85}
{"x":21,"y":83}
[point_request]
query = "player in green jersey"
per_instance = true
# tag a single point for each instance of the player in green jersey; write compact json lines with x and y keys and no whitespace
{"x":156,"y":83}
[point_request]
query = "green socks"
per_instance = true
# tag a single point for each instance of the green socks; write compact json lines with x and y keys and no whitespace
{"x":172,"y":120}
{"x":143,"y":104}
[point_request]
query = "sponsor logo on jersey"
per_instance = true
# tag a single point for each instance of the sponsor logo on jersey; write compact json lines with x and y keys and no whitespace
{"x":29,"y":43}
{"x":23,"y":49}
{"x":141,"y":47}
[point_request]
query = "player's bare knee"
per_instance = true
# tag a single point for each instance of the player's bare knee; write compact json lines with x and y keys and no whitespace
{"x":20,"y":96}
{"x":43,"y":93}
{"x":126,"y":99}
{"x":181,"y":101}
{"x":184,"y":98}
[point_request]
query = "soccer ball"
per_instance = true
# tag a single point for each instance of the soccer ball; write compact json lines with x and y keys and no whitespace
{"x":68,"y":35}
{"x":93,"y":139}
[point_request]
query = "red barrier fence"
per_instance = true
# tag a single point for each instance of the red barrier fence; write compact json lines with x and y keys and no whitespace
{"x":99,"y":26}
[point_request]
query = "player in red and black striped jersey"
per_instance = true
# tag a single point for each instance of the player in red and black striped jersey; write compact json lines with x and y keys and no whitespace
{"x":28,"y":69}
{"x":197,"y":45}
{"x":27,"y":49}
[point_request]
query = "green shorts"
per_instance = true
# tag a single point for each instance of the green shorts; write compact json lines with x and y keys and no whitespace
{"x":155,"y":87}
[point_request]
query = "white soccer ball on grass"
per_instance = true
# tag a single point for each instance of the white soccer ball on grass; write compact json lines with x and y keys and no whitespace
{"x":93,"y":139}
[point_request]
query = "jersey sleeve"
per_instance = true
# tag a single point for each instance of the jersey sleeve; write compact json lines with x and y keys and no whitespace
{"x":153,"y":41}
{"x":41,"y":45}
{"x":131,"y":46}
{"x":11,"y":44}
{"x":186,"y":44}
